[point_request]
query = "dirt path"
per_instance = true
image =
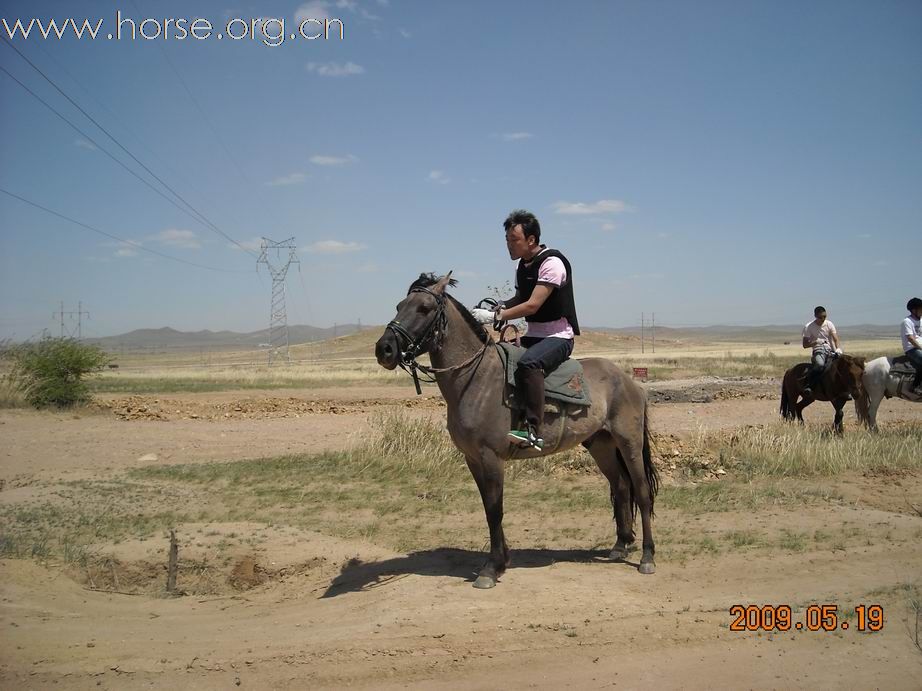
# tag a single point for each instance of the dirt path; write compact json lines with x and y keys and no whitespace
{"x":561,"y":618}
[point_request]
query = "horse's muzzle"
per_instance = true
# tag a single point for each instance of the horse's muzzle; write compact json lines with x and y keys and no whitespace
{"x":387,"y":351}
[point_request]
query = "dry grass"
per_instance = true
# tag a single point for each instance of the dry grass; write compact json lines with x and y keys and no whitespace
{"x":349,"y":361}
{"x":162,"y":379}
{"x":11,"y":396}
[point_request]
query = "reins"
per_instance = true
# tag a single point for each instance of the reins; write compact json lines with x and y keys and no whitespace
{"x":435,"y":331}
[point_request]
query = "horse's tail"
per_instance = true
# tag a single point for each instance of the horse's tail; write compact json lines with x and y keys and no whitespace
{"x":863,"y":408}
{"x":651,"y":474}
{"x":649,"y":469}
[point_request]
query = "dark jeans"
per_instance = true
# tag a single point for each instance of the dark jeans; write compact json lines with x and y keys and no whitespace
{"x":915,"y":357}
{"x":542,"y":355}
{"x":545,"y":353}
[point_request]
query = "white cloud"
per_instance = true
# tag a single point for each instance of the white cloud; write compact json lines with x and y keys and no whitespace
{"x":439,"y":177}
{"x":177,"y":238}
{"x":350,"y":5}
{"x":291,"y":179}
{"x":84,"y":144}
{"x":404,"y":32}
{"x":335,"y":69}
{"x":333,"y":160}
{"x":334,"y":247}
{"x":313,"y":10}
{"x":516,"y":136}
{"x":603,"y":206}
{"x":368,"y":268}
{"x":608,"y":226}
{"x":126,"y":250}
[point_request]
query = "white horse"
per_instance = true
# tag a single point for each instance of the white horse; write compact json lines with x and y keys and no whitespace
{"x":880,"y":382}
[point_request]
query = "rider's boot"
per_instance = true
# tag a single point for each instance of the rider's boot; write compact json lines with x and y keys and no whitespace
{"x":530,"y":382}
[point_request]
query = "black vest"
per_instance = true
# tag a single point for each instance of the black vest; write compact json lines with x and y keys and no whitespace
{"x":560,"y":302}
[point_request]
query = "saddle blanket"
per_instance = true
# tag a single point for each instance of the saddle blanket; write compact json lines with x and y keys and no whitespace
{"x":566,"y":383}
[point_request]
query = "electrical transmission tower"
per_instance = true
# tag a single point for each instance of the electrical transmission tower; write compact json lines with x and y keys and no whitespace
{"x":79,"y":314}
{"x":278,"y":317}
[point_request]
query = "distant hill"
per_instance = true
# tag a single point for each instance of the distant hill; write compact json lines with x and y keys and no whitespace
{"x":167,"y":337}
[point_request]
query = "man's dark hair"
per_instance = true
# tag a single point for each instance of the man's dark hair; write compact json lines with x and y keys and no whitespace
{"x":913,"y":304}
{"x":527,"y":220}
{"x":817,"y":310}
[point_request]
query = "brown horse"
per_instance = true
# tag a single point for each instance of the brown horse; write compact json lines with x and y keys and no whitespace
{"x":841,"y":379}
{"x":471,"y":377}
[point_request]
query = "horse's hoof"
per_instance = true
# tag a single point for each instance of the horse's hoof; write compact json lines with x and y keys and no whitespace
{"x":647,"y":567}
{"x":618,"y":553}
{"x":485,"y":582}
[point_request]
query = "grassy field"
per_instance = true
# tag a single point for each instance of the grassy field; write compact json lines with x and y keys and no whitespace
{"x":342,"y":365}
{"x":408,"y":488}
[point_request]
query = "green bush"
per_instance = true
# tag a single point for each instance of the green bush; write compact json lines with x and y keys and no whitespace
{"x":51,"y":372}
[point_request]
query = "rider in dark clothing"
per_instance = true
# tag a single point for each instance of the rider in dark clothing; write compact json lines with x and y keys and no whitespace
{"x":544,"y":296}
{"x":911,"y":337}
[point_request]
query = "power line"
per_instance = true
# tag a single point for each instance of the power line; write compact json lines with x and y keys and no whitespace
{"x":202,"y":218}
{"x":199,"y":107}
{"x":97,"y":144}
{"x":115,"y":116}
{"x":115,"y":237}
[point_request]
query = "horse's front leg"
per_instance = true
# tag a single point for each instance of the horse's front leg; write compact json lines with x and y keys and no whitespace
{"x":488,"y":474}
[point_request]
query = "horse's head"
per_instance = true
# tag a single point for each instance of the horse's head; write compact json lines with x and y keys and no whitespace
{"x":851,"y":370}
{"x":419,"y":324}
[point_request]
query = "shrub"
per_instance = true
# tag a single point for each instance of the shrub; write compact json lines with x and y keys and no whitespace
{"x":51,"y":372}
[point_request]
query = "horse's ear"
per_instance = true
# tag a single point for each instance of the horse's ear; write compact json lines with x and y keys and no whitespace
{"x":443,"y":283}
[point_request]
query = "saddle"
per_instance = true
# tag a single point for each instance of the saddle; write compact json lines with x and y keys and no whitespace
{"x":565,"y":383}
{"x":902,"y":366}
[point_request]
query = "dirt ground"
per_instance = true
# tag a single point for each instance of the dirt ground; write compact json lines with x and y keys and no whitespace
{"x":306,"y":610}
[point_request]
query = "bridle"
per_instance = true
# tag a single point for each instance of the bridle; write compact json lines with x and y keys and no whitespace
{"x":433,"y":334}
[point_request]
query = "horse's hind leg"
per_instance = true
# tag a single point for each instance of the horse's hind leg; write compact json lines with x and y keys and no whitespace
{"x":837,"y":425}
{"x":632,"y":439}
{"x":488,"y":474}
{"x":603,"y":450}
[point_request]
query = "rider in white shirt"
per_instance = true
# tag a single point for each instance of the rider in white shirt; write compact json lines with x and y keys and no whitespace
{"x":911,"y":337}
{"x":820,"y":335}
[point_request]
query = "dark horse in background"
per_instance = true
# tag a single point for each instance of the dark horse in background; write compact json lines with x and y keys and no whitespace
{"x":471,"y":377}
{"x":840,"y":380}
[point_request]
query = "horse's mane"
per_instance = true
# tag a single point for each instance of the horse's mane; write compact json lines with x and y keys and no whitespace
{"x":428,"y":280}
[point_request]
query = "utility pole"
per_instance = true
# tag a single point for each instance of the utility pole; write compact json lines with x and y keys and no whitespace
{"x":79,"y":313}
{"x":653,"y":330}
{"x":278,"y":316}
{"x":641,"y":332}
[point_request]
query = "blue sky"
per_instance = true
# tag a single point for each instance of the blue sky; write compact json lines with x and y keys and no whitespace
{"x":712,"y":162}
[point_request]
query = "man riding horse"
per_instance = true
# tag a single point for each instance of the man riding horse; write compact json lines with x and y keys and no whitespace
{"x":820,"y":335}
{"x":544,"y":296}
{"x":911,"y":339}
